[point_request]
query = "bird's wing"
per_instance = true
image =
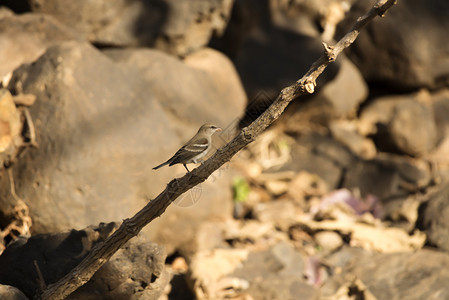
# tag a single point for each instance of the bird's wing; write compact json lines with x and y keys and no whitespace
{"x":190,"y":150}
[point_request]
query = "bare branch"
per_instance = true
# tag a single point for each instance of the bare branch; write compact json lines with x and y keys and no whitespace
{"x":132,"y":226}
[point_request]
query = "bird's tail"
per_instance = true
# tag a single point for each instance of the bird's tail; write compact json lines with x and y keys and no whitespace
{"x":161,"y":165}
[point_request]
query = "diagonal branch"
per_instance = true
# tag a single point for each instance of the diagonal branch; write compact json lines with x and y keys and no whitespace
{"x":156,"y":207}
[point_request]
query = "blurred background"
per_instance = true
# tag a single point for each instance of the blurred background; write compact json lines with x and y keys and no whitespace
{"x":344,"y":197}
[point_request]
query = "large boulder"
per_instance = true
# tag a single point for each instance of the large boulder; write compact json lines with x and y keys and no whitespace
{"x":25,"y":37}
{"x":435,"y":218}
{"x":415,"y":275}
{"x":102,"y":125}
{"x":405,"y":50}
{"x":128,"y":273}
{"x":177,"y":27}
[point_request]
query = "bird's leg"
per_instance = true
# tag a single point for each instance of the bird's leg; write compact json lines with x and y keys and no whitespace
{"x":186,"y":167}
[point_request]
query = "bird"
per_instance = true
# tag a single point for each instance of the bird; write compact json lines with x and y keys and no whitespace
{"x":195,"y":149}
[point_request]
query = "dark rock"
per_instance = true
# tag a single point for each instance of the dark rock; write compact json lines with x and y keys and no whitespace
{"x":417,"y":275}
{"x":434,"y":219}
{"x":346,"y":91}
{"x":174,"y":26}
{"x":207,"y":76}
{"x":386,"y":178}
{"x":55,"y":254}
{"x":268,"y":57}
{"x":405,"y":50}
{"x":440,"y":103}
{"x":277,"y":273}
{"x":401,"y":124}
{"x":347,"y":134}
{"x":413,"y":128}
{"x":25,"y":37}
{"x":11,"y":293}
{"x":135,"y":270}
{"x":321,"y":155}
{"x":102,"y":125}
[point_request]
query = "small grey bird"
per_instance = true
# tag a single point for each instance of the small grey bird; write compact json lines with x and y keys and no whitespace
{"x":195,"y":149}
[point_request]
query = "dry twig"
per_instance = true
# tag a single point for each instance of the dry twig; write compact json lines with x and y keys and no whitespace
{"x":132,"y":226}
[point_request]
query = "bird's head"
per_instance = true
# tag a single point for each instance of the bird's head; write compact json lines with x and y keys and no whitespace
{"x":209,"y":129}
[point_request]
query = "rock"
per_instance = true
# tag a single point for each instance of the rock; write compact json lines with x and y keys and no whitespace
{"x":11,"y":293}
{"x":210,"y":273}
{"x":440,"y":104}
{"x":387,"y":176}
{"x":415,"y":174}
{"x":102,"y":125}
{"x":321,"y":155}
{"x":415,"y":275}
{"x":372,"y":178}
{"x":434,"y":218}
{"x":126,"y":275}
{"x":417,"y":58}
{"x":280,"y":212}
{"x":137,"y":271}
{"x":377,"y":114}
{"x":276,"y":273}
{"x":413,"y":128}
{"x":207,"y":76}
{"x":305,"y":186}
{"x":276,"y":187}
{"x":25,"y":37}
{"x":346,"y":91}
{"x":268,"y":57}
{"x":213,"y":202}
{"x":404,"y":124}
{"x":174,"y":26}
{"x":372,"y":236}
{"x":346,"y":133}
{"x":328,"y":240}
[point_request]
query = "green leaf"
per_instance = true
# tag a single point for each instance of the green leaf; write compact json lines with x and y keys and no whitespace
{"x":241,"y":189}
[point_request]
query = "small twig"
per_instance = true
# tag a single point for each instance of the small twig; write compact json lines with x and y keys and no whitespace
{"x":31,"y":129}
{"x":40,"y":278}
{"x":132,"y":226}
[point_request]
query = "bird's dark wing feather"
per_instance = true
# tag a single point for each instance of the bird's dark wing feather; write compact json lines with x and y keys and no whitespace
{"x":189,"y":151}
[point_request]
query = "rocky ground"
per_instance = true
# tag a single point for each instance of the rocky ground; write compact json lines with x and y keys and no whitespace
{"x":344,"y":197}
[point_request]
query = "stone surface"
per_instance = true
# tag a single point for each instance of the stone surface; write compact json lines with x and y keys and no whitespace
{"x":268,"y":56}
{"x":346,"y":133}
{"x":435,"y":219}
{"x":206,"y":76}
{"x":347,"y":90}
{"x":276,"y":273}
{"x":279,"y":212}
{"x":387,"y":176}
{"x":417,"y":275}
{"x":25,"y":37}
{"x":176,"y":27}
{"x":137,"y":271}
{"x":8,"y":292}
{"x":406,"y":50}
{"x":440,"y":105}
{"x":403,"y":124}
{"x":328,"y":240}
{"x":127,"y":274}
{"x":102,"y":125}
{"x":413,"y":128}
{"x":321,"y":155}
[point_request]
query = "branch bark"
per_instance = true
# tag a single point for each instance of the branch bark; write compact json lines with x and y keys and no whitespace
{"x":156,"y":207}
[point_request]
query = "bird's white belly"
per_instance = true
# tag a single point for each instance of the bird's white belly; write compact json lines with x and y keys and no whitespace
{"x":200,"y":156}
